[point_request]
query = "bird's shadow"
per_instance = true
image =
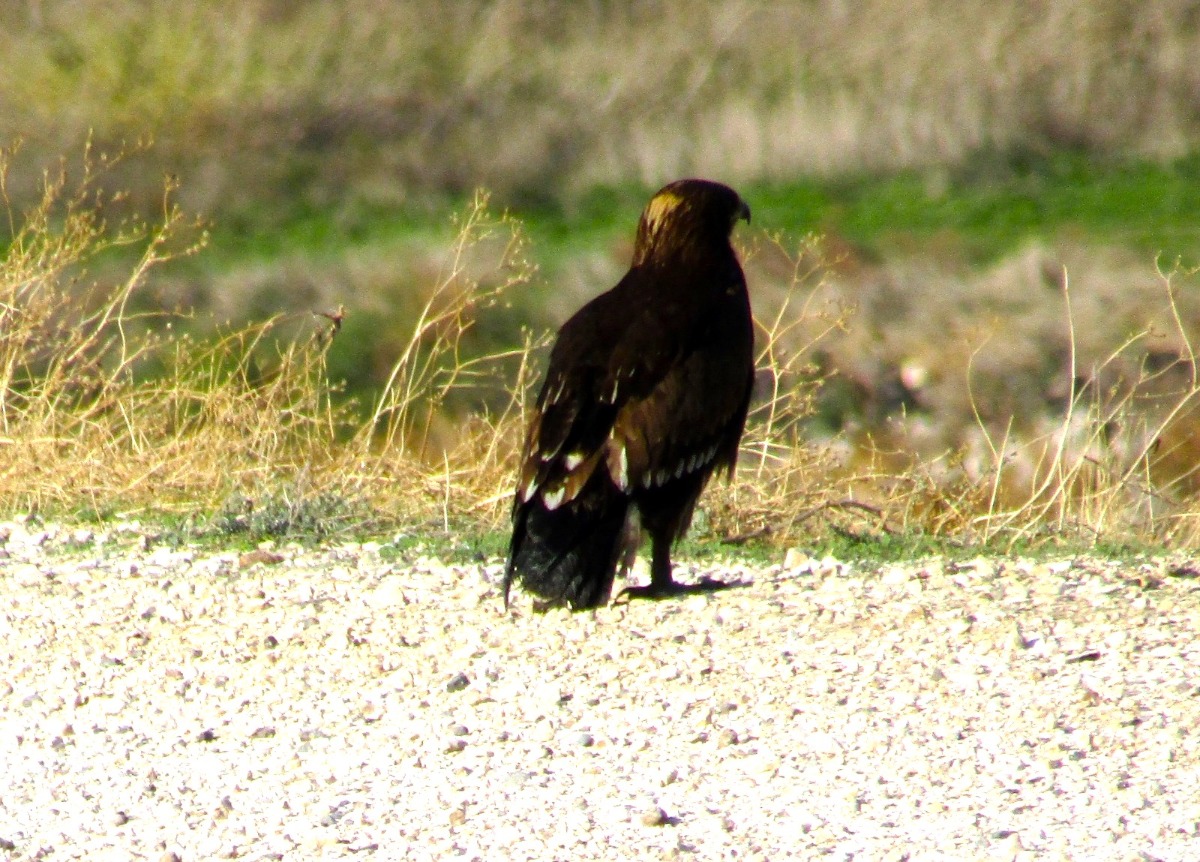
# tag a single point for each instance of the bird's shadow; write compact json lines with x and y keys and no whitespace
{"x":648,"y":592}
{"x":677,"y":590}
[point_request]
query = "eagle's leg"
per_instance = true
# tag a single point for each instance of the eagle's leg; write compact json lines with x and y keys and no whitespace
{"x":661,"y":583}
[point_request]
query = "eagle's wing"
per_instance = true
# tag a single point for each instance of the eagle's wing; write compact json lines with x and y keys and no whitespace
{"x":646,"y":391}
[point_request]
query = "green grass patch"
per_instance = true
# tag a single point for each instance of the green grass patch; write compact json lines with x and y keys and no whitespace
{"x":982,"y":210}
{"x":992,"y":204}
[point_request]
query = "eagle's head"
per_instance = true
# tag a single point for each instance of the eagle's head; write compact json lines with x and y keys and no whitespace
{"x":688,"y":216}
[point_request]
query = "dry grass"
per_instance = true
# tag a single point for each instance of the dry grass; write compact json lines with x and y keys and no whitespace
{"x":360,"y":111}
{"x":1122,"y":458}
{"x":103,"y":410}
{"x":1103,"y":449}
{"x":1110,"y":457}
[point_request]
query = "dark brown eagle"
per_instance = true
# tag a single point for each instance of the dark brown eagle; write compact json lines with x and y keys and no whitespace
{"x":645,"y":396}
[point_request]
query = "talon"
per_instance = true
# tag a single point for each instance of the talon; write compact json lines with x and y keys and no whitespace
{"x":674,"y":588}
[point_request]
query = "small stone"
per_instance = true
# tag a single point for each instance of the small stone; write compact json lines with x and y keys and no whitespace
{"x":458,"y":682}
{"x":795,"y":560}
{"x":259,"y":555}
{"x":371,"y":711}
{"x":336,"y":813}
{"x":389,"y":593}
{"x":655,"y":817}
{"x":894,"y":576}
{"x":26,"y":575}
{"x":1005,"y":849}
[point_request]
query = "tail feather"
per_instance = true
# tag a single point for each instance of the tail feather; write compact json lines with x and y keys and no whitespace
{"x":568,"y":555}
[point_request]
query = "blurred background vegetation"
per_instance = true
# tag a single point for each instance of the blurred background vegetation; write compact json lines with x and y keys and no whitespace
{"x":962,"y":161}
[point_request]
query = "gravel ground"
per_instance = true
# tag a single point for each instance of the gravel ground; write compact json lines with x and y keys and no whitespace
{"x":327,"y":704}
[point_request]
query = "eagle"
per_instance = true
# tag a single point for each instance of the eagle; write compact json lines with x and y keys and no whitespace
{"x":645,"y":396}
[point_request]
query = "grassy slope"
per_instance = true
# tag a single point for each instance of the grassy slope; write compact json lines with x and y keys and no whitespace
{"x":279,"y":446}
{"x":329,"y":144}
{"x":972,"y":218}
{"x":986,"y":209}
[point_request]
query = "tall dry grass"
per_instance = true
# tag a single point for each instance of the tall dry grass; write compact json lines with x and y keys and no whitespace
{"x":1092,"y":437}
{"x":1107,"y":452}
{"x":105,"y":410}
{"x":102,"y":407}
{"x":1122,"y":459}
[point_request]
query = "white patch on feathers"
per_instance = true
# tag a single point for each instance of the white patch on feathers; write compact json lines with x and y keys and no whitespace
{"x":622,"y":477}
{"x":553,"y":499}
{"x":527,"y":491}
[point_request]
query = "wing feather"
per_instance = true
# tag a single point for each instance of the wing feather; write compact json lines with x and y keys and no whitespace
{"x":651,"y":390}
